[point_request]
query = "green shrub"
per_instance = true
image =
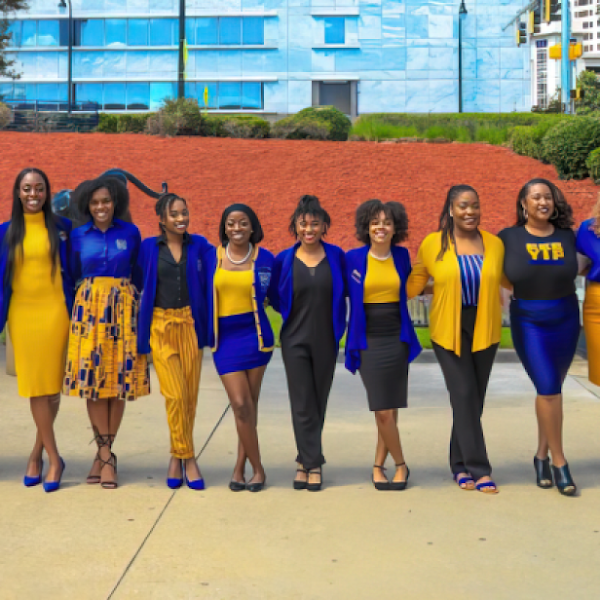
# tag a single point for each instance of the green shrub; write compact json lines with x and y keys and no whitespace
{"x":568,"y":144}
{"x":5,"y":115}
{"x":375,"y":131}
{"x":492,"y":133}
{"x":212,"y":126}
{"x":246,"y":126}
{"x":107,"y":123}
{"x":176,"y":117}
{"x":593,"y":164}
{"x":302,"y":128}
{"x":340,"y":123}
{"x":132,"y":123}
{"x":527,"y":141}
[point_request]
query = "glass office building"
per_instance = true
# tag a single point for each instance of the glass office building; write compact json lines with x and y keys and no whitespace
{"x":274,"y":56}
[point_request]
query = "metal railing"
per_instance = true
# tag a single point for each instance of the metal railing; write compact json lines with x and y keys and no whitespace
{"x":52,"y":115}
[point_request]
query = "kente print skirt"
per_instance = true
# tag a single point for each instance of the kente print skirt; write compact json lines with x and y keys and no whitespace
{"x":102,"y":359}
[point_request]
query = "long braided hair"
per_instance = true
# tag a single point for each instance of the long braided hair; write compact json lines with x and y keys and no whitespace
{"x":164,"y":203}
{"x":446,"y":221}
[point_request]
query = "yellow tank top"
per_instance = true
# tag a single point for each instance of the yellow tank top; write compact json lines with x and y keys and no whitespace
{"x":33,"y":269}
{"x":382,"y":283}
{"x":234,"y":292}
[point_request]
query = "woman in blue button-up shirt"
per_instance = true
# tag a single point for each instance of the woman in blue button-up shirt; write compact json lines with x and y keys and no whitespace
{"x":103,"y":365}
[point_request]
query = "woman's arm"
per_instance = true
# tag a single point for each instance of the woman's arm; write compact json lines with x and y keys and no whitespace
{"x":583,"y":264}
{"x":419,"y":278}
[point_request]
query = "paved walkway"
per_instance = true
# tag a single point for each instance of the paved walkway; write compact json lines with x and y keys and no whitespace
{"x":350,"y":541}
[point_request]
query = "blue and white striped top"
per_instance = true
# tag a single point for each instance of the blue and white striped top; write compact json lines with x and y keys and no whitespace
{"x":470,"y":277}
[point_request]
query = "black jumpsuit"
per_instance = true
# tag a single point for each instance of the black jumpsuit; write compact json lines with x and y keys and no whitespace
{"x":309,"y":355}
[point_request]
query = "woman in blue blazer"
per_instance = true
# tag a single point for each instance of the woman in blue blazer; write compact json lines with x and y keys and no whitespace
{"x":36,"y":300}
{"x":173,"y":325}
{"x":239,"y":274}
{"x":381,"y":338}
{"x":309,"y":290}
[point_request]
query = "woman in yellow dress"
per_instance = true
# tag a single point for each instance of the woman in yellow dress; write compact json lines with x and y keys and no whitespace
{"x":35,"y":301}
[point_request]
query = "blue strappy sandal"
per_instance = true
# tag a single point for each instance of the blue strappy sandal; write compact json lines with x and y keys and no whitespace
{"x":464,"y":481}
{"x":487,"y":487}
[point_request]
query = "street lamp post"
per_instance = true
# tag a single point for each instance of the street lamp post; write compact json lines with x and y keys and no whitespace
{"x":181,"y":73}
{"x":63,"y":4}
{"x":462,"y":11}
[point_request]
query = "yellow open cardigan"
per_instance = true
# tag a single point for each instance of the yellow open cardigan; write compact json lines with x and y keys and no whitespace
{"x":446,"y":306}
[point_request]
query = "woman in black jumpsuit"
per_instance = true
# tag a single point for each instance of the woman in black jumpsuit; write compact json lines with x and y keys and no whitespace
{"x":308,"y":289}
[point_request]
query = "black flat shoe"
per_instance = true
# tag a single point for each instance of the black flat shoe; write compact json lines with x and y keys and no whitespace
{"x":237,"y":486}
{"x":543,"y":472}
{"x":300,"y":485}
{"x":564,"y":482}
{"x":381,"y":486}
{"x":315,"y":487}
{"x":398,"y":486}
{"x":256,"y":487}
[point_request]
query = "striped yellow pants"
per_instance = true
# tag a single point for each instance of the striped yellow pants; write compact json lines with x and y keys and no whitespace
{"x":178,"y":361}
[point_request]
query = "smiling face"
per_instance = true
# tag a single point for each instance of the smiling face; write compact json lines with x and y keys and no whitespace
{"x":381,"y":229}
{"x":539,"y":203}
{"x":176,"y":219}
{"x":102,"y":208}
{"x":32,"y":193}
{"x":238,"y":228}
{"x":466,"y":212}
{"x":309,"y":229}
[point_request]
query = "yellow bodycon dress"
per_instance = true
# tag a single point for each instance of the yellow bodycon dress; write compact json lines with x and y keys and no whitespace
{"x":38,"y":322}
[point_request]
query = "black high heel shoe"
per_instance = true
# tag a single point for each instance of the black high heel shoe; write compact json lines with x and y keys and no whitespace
{"x":258,"y":486}
{"x":315,"y":487}
{"x":299,"y":484}
{"x":543,"y":472}
{"x":564,"y":482}
{"x":380,"y":485}
{"x":398,"y":486}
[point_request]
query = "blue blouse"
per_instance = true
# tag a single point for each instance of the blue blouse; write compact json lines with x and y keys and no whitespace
{"x":588,"y":244}
{"x":112,"y":253}
{"x":470,"y":277}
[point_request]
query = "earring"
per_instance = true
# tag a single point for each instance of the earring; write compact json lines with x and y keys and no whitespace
{"x":525,"y":214}
{"x":451,"y":214}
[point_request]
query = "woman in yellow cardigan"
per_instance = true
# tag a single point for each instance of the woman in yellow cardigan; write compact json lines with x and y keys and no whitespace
{"x":465,"y":264}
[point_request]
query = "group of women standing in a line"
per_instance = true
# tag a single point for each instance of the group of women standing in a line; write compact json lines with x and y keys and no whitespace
{"x":104,"y":299}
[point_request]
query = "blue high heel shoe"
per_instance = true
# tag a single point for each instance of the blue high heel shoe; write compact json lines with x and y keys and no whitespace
{"x":33,"y":481}
{"x":52,"y":486}
{"x":197,"y":484}
{"x":175,"y":483}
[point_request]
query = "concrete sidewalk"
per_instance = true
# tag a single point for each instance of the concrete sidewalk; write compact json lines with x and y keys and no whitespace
{"x":349,"y":541}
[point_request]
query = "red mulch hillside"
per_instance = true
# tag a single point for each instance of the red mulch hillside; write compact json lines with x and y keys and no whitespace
{"x":270,"y":175}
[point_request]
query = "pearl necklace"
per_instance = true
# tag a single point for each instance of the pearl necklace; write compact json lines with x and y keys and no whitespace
{"x":238,"y":262}
{"x":379,"y":258}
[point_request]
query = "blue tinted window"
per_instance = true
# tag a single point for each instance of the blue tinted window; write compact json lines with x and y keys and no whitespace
{"x":190,"y":31}
{"x":138,"y":96}
{"x":230,"y":30}
{"x":29,"y":33}
{"x":114,"y":96}
{"x":206,"y":94}
{"x":48,"y":33}
{"x":159,"y":92}
{"x":88,"y":93}
{"x":6,"y":91}
{"x":63,"y":26}
{"x":335,"y":30}
{"x":207,"y":31}
{"x":137,"y":32}
{"x":52,"y":92}
{"x":92,"y":32}
{"x":230,"y":95}
{"x":162,"y":32}
{"x":116,"y":32}
{"x":14,"y":30}
{"x":254,"y":30}
{"x":189,"y":89}
{"x":252,"y":95}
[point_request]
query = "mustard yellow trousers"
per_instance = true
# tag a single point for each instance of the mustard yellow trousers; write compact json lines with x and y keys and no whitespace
{"x":178,"y":362}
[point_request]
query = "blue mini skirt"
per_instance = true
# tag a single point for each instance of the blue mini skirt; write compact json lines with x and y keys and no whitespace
{"x":237,"y":348}
{"x":545,"y":334}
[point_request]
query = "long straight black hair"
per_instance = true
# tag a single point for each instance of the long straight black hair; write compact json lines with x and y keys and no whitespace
{"x":446,"y":219}
{"x":16,"y":230}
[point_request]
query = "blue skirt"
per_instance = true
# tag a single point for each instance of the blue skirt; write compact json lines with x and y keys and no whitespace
{"x":545,"y":334}
{"x":237,"y":348}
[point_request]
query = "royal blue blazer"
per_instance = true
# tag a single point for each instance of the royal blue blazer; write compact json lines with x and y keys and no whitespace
{"x":356,"y":265}
{"x":263,"y":269}
{"x":64,"y":231}
{"x":146,"y":276}
{"x":588,"y":244}
{"x":282,"y":285}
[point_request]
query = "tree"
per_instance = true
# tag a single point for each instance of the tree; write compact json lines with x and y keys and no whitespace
{"x":6,"y":7}
{"x":589,"y":83}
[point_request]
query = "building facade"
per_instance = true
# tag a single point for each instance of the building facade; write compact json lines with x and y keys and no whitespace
{"x":275,"y":56}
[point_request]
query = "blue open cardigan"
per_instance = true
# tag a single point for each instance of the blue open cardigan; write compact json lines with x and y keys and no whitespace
{"x":64,"y":229}
{"x":145,"y":278}
{"x":282,"y":285}
{"x":356,"y":264}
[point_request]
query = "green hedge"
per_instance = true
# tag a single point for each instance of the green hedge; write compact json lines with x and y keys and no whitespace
{"x":236,"y":126}
{"x":593,"y":164}
{"x":568,"y":144}
{"x":339,"y":122}
{"x":308,"y":127}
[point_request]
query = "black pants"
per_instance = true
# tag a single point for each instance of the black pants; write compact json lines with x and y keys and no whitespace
{"x":467,"y":378}
{"x":309,"y":376}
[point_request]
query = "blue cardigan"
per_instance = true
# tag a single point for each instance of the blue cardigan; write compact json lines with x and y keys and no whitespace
{"x":145,"y":278}
{"x":262,"y":265}
{"x":64,"y":230}
{"x":356,"y":262}
{"x":282,"y":285}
